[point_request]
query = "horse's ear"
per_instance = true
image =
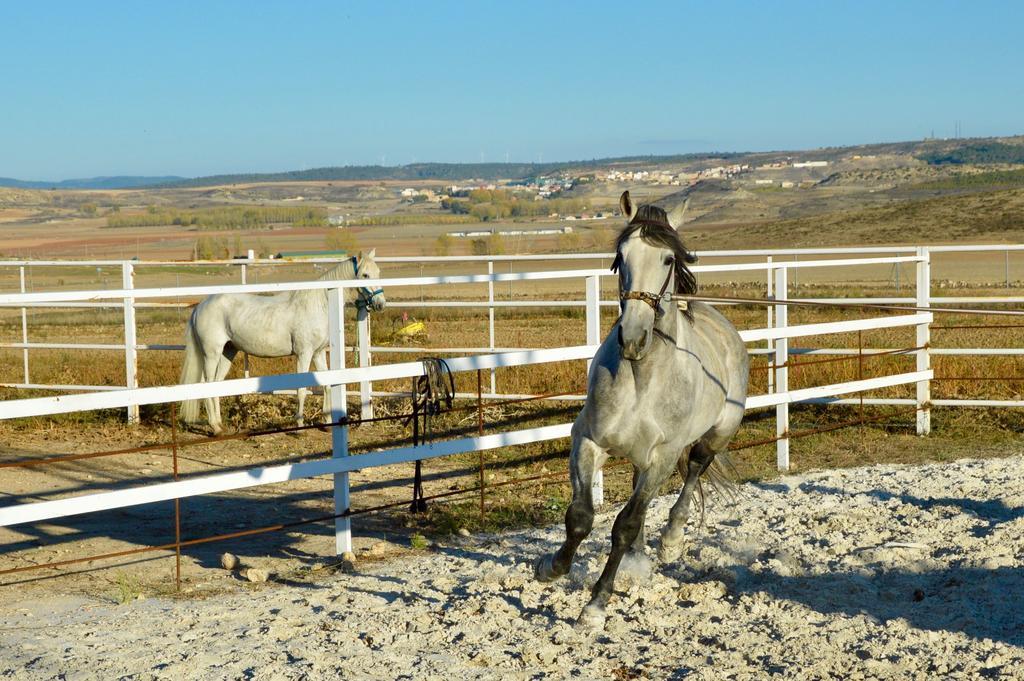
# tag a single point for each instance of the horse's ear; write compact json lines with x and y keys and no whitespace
{"x":678,"y":214}
{"x":372,"y":253}
{"x":626,"y":206}
{"x":359,"y":256}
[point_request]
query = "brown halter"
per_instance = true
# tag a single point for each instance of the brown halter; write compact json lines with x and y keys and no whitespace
{"x":650,"y":298}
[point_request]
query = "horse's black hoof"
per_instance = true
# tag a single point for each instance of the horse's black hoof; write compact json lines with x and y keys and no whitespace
{"x":544,"y":569}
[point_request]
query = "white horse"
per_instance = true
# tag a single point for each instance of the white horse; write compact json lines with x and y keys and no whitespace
{"x":666,"y":391}
{"x":279,"y":325}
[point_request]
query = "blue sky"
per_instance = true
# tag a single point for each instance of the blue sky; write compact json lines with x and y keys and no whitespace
{"x":197,"y":88}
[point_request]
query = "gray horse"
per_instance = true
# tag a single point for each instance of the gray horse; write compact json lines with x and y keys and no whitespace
{"x":666,"y":390}
{"x":288,"y":323}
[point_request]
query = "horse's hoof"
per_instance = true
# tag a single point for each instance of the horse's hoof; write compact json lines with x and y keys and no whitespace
{"x":669,"y":553}
{"x":544,"y":569}
{"x":591,"y":619}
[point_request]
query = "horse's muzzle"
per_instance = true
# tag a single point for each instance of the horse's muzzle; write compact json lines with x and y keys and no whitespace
{"x":377,"y":302}
{"x":633,"y":348}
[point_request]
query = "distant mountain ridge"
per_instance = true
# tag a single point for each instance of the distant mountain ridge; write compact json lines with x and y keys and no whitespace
{"x":933,"y":151}
{"x":113,"y":182}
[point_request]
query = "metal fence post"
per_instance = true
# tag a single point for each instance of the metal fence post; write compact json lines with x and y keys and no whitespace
{"x":782,"y":371}
{"x":490,"y":321}
{"x":131,"y":358}
{"x":924,"y":337}
{"x":365,"y":387}
{"x":594,"y":338}
{"x":339,"y":412}
{"x":24,"y":328}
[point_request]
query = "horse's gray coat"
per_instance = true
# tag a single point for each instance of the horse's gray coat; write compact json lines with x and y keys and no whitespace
{"x":287,"y":323}
{"x":666,"y":391}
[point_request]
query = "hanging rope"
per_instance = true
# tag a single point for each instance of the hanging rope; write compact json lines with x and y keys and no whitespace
{"x":432,"y":394}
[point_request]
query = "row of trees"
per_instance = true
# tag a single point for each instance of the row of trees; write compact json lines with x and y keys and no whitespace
{"x":498,"y":204}
{"x":229,"y":217}
{"x":409,"y":219}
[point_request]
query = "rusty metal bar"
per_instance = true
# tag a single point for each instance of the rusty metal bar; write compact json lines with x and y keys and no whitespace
{"x":946,"y":327}
{"x":351,"y":421}
{"x":177,"y":502}
{"x":480,"y":431}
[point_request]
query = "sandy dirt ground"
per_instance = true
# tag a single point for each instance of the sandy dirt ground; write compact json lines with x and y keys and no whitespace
{"x":881,"y":572}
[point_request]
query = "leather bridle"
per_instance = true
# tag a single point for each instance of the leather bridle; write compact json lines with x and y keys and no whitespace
{"x":366,"y":294}
{"x":654,"y":300}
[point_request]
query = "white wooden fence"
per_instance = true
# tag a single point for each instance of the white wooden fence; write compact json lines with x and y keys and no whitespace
{"x":777,"y":335}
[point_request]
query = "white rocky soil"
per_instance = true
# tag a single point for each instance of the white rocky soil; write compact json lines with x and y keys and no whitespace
{"x":882,"y":572}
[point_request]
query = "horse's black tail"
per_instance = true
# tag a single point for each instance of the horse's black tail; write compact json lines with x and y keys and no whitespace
{"x":721,"y":477}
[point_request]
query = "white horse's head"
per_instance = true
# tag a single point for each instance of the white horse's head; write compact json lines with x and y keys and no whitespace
{"x":366,"y":268}
{"x":652,"y":264}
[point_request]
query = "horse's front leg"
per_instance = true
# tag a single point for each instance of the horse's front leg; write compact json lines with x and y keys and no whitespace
{"x":624,"y":532}
{"x":303,"y":360}
{"x":584,"y":461}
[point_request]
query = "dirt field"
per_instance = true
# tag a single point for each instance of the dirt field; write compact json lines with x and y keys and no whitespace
{"x":879,"y":572}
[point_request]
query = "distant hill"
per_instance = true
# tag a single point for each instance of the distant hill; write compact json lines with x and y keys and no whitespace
{"x":933,"y":151}
{"x":983,"y":152}
{"x":116,"y":182}
{"x":455,"y":172}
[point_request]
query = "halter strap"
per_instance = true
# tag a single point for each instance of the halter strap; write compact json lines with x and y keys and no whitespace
{"x":651,"y":299}
{"x":366,"y":293}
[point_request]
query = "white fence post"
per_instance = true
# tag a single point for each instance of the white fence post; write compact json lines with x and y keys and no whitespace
{"x":365,"y":387}
{"x":593,"y":338}
{"x":924,"y":339}
{"x":131,"y":357}
{"x":782,"y":371}
{"x":769,"y":275}
{"x":339,"y":412}
{"x":245,"y":355}
{"x":490,"y":321}
{"x":24,"y":328}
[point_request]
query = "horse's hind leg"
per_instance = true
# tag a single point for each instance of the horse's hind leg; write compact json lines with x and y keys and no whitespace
{"x":691,"y":467}
{"x":624,"y":532}
{"x":320,"y":364}
{"x":585,"y":459}
{"x":224,"y":361}
{"x":210,"y":363}
{"x":304,"y":358}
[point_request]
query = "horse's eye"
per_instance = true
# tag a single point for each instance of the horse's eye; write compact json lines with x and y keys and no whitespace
{"x":366,"y":276}
{"x":669,"y":260}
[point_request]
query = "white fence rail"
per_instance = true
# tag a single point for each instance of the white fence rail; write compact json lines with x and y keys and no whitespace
{"x":340,"y":464}
{"x":120,"y":299}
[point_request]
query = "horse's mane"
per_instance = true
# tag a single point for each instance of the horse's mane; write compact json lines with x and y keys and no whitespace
{"x":346,"y":269}
{"x":653,"y":225}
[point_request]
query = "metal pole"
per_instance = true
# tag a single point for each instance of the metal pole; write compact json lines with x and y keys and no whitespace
{"x":131,"y":358}
{"x":480,"y":431}
{"x":177,"y":502}
{"x":365,"y":387}
{"x":924,"y":362}
{"x":24,"y":328}
{"x":782,"y":372}
{"x":594,"y":338}
{"x":339,"y":413}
